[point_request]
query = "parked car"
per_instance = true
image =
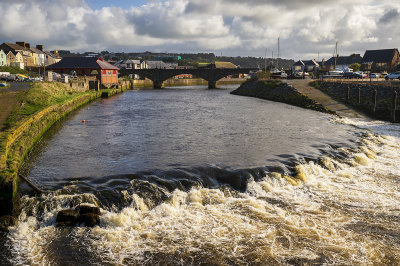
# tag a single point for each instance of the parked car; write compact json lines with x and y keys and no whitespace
{"x":374,"y":75}
{"x":37,"y":79}
{"x":359,"y":75}
{"x":348,"y":75}
{"x":56,"y":76}
{"x":394,"y":75}
{"x":12,"y":77}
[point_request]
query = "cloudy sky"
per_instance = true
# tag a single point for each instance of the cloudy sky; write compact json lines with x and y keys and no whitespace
{"x":227,"y":27}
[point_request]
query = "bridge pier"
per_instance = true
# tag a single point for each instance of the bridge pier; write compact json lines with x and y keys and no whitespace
{"x":212,"y":84}
{"x":157,"y":84}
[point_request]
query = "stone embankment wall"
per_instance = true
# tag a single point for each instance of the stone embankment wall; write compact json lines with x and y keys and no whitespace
{"x":279,"y":92}
{"x":21,"y":139}
{"x":362,"y":97}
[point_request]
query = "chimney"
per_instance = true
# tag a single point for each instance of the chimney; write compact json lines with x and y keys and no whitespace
{"x":40,"y":47}
{"x":28,"y":45}
{"x":21,"y":44}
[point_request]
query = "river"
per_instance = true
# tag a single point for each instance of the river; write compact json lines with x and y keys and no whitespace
{"x":189,"y":175}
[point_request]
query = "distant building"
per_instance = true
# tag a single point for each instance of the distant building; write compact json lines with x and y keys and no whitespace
{"x":128,"y":64}
{"x":40,"y":55}
{"x":306,"y":66}
{"x":15,"y":60}
{"x":341,"y":62}
{"x":3,"y":58}
{"x":51,"y":58}
{"x":380,"y":60}
{"x":106,"y":73}
{"x":24,"y":49}
{"x":159,"y":65}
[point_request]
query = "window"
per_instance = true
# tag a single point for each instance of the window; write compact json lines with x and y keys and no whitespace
{"x":114,"y":72}
{"x":104,"y":72}
{"x":381,"y":66}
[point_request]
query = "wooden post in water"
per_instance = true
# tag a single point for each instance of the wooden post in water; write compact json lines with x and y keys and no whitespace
{"x":394,"y":105}
{"x":358,"y":95}
{"x":374,"y":94}
{"x":348,"y":93}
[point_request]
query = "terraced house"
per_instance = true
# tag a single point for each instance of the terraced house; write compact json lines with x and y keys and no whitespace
{"x":3,"y":58}
{"x":15,"y":60}
{"x":29,"y":57}
{"x":341,"y":62}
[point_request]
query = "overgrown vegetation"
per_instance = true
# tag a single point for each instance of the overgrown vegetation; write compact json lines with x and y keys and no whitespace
{"x":38,"y":97}
{"x":14,"y":70}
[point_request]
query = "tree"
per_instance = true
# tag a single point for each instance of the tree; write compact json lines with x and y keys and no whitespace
{"x":355,"y":66}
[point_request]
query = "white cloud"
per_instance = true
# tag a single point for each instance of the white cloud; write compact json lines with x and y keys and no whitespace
{"x":234,"y":27}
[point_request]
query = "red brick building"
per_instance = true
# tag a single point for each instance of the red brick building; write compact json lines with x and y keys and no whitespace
{"x":106,"y":73}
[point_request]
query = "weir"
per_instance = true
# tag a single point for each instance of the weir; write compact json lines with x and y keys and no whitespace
{"x":201,"y":176}
{"x":23,"y":137}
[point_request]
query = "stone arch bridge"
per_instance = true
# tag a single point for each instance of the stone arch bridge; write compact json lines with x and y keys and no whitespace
{"x":211,"y":75}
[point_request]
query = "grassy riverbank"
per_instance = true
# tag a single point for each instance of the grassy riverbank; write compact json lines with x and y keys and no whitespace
{"x":274,"y":90}
{"x":36,"y":111}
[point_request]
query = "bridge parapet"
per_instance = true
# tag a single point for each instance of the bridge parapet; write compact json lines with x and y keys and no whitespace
{"x":158,"y":76}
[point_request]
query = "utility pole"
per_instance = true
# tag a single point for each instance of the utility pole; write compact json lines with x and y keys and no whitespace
{"x":277,"y":59}
{"x":336,"y":55}
{"x":265,"y":65}
{"x":272,"y":62}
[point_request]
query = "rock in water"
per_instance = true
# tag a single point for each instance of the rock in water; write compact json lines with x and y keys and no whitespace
{"x":85,"y":209}
{"x":89,"y":219}
{"x":82,"y":214}
{"x":5,"y":222}
{"x":67,"y":217}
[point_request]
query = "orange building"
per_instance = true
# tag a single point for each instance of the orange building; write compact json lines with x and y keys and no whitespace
{"x":106,"y":73}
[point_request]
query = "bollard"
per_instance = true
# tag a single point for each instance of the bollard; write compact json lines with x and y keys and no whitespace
{"x":374,"y":95}
{"x":348,"y":93}
{"x":394,"y":105}
{"x":359,"y":96}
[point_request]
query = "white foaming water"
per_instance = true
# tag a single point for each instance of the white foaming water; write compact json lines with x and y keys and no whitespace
{"x":334,"y":212}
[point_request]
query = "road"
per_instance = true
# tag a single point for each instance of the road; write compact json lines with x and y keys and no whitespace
{"x":302,"y":86}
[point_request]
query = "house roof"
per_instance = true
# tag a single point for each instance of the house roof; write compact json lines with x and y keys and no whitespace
{"x":36,"y":50}
{"x":344,"y":60}
{"x":125,"y":62}
{"x":83,"y":62}
{"x":299,"y":63}
{"x":379,"y":56}
{"x":7,"y":47}
{"x":130,"y":61}
{"x":310,"y":62}
{"x":51,"y":54}
{"x":156,"y":64}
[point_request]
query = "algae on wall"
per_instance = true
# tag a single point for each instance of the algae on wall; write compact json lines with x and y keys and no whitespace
{"x":42,"y":106}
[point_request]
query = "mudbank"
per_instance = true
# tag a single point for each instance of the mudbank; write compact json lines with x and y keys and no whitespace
{"x":279,"y":92}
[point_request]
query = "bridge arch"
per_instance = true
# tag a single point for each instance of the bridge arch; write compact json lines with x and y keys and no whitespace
{"x":211,"y":75}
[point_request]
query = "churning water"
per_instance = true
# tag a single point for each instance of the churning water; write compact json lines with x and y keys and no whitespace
{"x":191,"y":176}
